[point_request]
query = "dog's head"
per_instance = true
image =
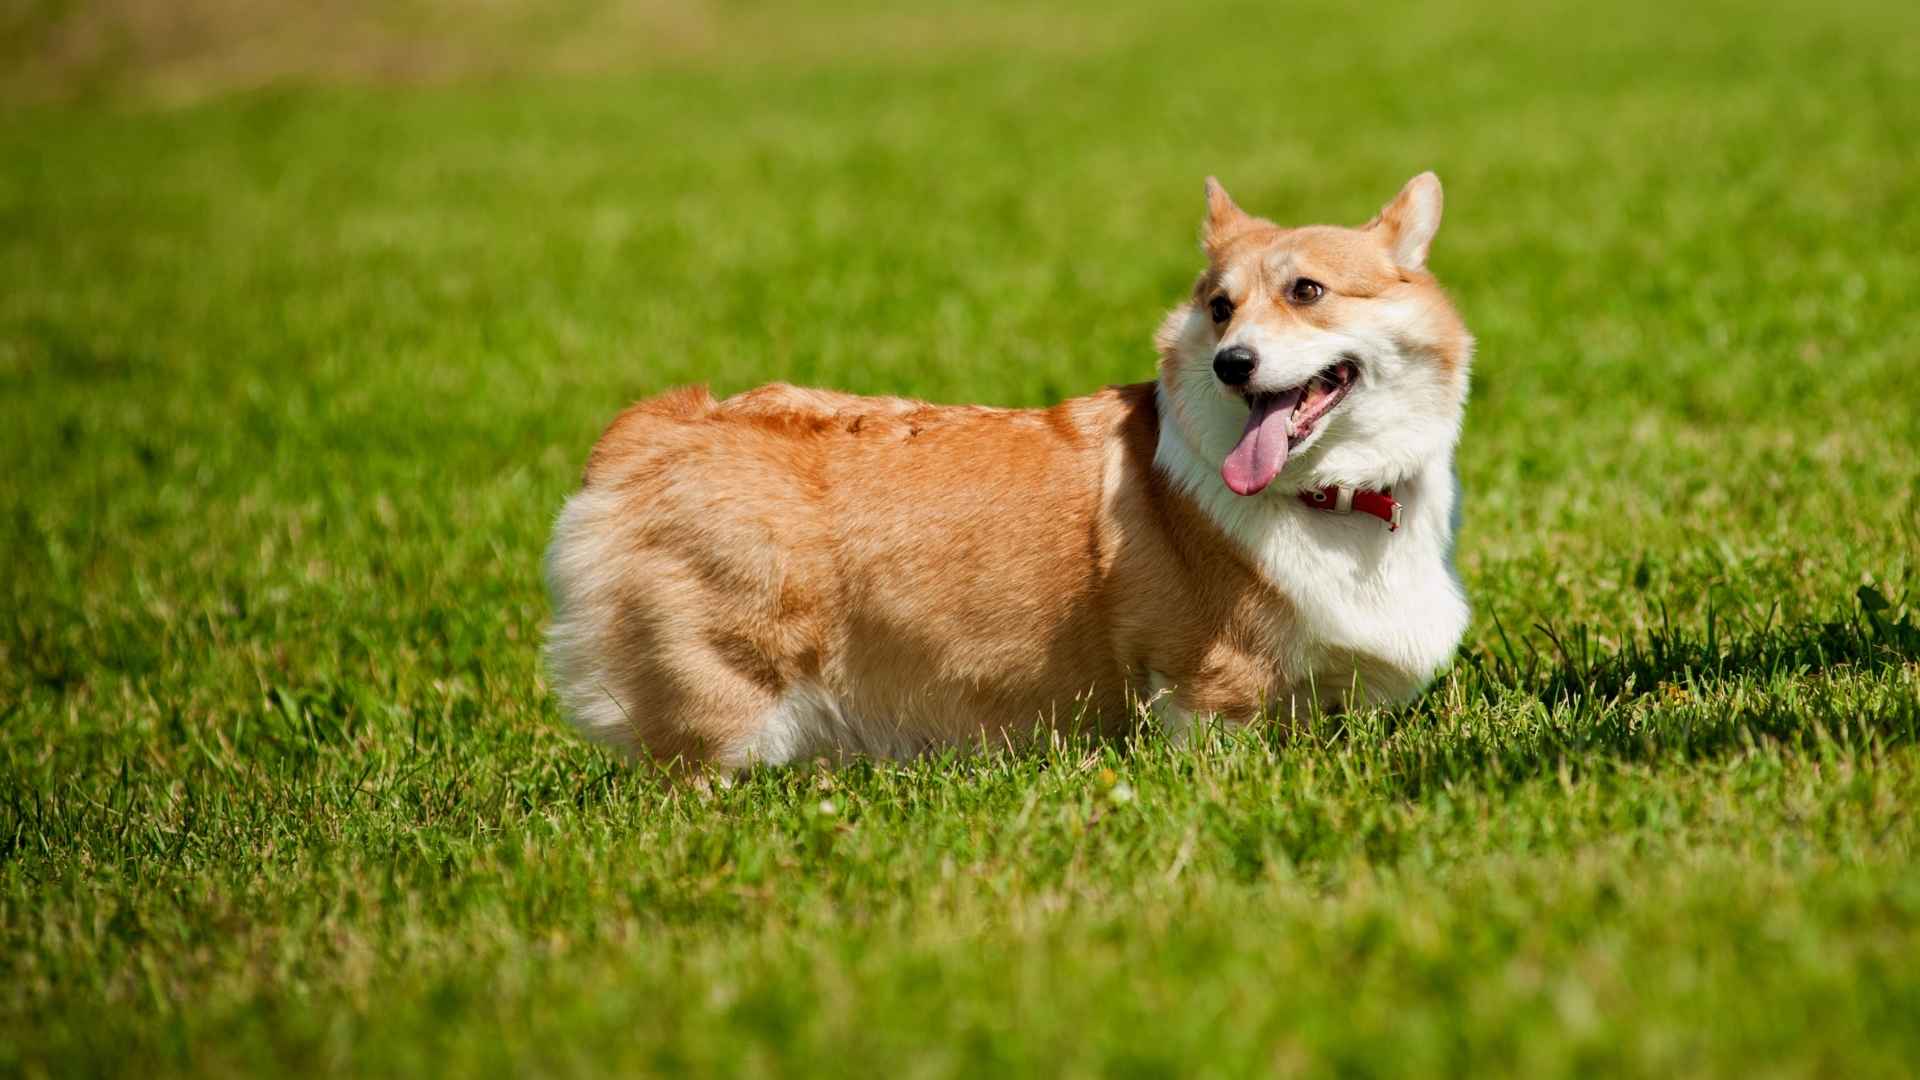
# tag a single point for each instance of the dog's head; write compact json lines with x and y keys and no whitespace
{"x":1321,"y":354}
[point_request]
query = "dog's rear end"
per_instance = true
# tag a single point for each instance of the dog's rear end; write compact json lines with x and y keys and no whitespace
{"x":622,"y":562}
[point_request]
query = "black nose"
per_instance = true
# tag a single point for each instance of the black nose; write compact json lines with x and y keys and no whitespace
{"x":1235,"y":365}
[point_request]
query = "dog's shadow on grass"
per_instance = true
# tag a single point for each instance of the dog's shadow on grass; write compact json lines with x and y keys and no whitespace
{"x":1559,"y":664}
{"x":1559,"y":700}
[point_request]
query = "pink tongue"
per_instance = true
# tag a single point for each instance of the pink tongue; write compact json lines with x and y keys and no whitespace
{"x":1262,"y":450}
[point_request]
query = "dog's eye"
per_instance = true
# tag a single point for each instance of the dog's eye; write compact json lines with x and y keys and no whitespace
{"x":1305,"y":291}
{"x":1222,"y":309}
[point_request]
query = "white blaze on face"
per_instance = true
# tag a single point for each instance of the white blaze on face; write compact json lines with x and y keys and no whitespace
{"x":1398,"y":404}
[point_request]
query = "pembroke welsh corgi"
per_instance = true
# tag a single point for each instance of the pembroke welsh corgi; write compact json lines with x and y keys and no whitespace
{"x":1267,"y":527}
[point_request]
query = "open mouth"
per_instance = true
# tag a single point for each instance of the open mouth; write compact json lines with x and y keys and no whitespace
{"x":1281,"y":420}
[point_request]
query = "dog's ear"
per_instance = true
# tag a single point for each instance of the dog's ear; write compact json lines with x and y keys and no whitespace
{"x":1223,"y":217}
{"x":1407,"y":224}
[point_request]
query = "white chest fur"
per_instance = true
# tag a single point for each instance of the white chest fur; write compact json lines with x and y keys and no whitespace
{"x":1391,"y":599}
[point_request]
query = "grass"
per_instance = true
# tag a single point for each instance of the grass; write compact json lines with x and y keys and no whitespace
{"x":293,"y":378}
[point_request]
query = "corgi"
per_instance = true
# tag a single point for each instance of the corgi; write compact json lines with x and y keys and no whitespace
{"x":1267,"y":527}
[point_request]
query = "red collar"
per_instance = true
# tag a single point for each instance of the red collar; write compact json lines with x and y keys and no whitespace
{"x":1335,"y":499}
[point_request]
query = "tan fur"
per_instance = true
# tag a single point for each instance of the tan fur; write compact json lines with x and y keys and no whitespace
{"x":950,"y":569}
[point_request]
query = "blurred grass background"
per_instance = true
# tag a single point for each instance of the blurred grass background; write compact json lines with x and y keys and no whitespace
{"x":310,"y":313}
{"x":189,"y":50}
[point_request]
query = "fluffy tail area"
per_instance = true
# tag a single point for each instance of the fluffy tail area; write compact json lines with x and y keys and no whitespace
{"x":581,"y":572}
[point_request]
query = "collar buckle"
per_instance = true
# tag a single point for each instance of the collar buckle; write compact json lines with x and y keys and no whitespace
{"x":1340,"y":499}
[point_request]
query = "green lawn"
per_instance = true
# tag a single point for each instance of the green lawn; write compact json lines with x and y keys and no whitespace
{"x":294,"y":377}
